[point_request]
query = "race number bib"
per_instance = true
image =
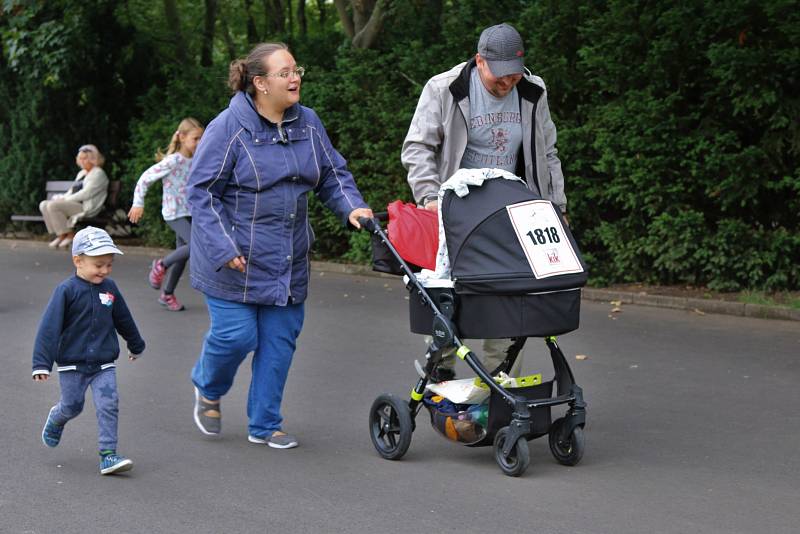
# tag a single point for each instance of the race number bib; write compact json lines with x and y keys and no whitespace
{"x":543,"y":239}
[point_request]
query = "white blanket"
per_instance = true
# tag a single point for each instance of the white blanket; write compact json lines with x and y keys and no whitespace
{"x":459,"y":183}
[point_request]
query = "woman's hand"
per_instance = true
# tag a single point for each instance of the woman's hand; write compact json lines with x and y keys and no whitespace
{"x":359,"y":212}
{"x":40,"y":377}
{"x":238,"y":263}
{"x":135,"y":214}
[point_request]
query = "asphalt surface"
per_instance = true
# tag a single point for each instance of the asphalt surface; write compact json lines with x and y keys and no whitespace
{"x":692,"y":426}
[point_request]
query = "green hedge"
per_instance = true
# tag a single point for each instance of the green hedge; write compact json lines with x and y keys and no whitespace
{"x":677,"y":122}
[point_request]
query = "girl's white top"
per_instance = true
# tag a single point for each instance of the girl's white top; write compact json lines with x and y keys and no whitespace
{"x":173,"y":171}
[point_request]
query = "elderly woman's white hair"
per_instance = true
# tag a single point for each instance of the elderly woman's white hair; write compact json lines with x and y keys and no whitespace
{"x":95,"y":156}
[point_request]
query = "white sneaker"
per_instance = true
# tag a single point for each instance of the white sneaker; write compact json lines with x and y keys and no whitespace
{"x":67,"y":241}
{"x":276,"y":441}
{"x":54,"y":243}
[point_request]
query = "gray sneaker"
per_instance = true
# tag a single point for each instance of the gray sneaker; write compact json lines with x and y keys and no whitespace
{"x":207,"y":416}
{"x":276,"y":441}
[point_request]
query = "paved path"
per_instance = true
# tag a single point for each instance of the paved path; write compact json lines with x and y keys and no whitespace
{"x":692,"y":427}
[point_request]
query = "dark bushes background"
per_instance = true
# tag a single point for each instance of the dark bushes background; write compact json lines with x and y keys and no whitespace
{"x":677,"y":124}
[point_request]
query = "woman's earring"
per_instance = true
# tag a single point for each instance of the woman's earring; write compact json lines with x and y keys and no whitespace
{"x":266,"y":92}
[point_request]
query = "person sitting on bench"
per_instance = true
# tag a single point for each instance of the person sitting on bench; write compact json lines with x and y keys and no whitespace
{"x":84,"y":199}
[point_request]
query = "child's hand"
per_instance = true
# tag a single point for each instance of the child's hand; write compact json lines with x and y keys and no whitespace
{"x":135,"y":214}
{"x":40,"y":377}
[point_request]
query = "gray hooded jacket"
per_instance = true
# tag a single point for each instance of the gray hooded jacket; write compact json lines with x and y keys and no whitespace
{"x":437,"y":137}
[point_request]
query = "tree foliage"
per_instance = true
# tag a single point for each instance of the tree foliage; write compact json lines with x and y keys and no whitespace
{"x":677,"y":121}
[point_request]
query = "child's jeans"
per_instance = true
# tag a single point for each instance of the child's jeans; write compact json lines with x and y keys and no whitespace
{"x":104,"y":395}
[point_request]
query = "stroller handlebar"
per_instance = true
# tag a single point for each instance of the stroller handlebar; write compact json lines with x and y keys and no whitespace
{"x":371,"y":224}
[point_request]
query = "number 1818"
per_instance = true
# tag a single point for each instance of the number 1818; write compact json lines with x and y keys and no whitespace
{"x":543,"y":236}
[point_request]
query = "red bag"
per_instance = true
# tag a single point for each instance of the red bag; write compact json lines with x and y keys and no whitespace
{"x":414,"y":232}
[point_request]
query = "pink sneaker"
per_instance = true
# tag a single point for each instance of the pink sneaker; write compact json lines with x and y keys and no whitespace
{"x":157,"y":272}
{"x":170,"y":302}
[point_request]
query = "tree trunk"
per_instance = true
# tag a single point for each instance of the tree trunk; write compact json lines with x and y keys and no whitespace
{"x":275,"y":17}
{"x":226,"y":34}
{"x":252,"y":31}
{"x":322,"y":12}
{"x":367,"y":37}
{"x":344,"y":16}
{"x":290,"y":14}
{"x":174,"y":24}
{"x":361,"y":11}
{"x":301,"y":17}
{"x":365,"y":23}
{"x":207,"y":51}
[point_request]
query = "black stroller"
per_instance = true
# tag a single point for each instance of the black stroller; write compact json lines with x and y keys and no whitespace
{"x":499,"y":290}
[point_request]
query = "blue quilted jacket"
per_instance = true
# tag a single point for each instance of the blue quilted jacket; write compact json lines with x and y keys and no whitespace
{"x":248,"y":193}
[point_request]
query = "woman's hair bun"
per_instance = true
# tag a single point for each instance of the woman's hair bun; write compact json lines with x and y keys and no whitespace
{"x":237,"y":75}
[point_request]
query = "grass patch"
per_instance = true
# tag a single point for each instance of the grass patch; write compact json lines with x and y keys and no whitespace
{"x":789,"y":300}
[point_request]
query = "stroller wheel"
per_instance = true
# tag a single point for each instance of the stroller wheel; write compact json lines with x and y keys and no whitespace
{"x":570,"y":450}
{"x":518,"y":458}
{"x":390,"y":426}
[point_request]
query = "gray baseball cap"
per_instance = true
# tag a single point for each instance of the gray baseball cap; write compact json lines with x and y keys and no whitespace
{"x":93,"y":242}
{"x":501,"y":47}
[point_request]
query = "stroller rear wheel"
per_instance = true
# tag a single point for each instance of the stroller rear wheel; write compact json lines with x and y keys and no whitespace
{"x":518,"y":458}
{"x":566,"y":451}
{"x":390,"y":426}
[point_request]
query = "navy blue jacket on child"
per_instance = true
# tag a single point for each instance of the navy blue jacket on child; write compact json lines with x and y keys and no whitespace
{"x":79,"y":328}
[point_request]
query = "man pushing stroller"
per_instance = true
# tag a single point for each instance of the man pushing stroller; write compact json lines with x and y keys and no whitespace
{"x":488,"y":112}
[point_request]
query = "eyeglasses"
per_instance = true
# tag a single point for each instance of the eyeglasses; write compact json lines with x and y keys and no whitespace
{"x":299,"y":72}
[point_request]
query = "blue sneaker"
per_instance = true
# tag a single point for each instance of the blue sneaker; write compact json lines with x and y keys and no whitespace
{"x":51,"y":433}
{"x":114,"y":463}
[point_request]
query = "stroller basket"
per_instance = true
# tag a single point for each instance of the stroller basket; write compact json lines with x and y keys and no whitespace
{"x":467,"y":426}
{"x":477,"y":424}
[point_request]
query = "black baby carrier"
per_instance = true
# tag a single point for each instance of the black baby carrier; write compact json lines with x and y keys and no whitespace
{"x":498,"y":293}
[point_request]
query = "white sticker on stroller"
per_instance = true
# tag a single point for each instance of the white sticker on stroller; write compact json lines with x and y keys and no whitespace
{"x":543,"y":239}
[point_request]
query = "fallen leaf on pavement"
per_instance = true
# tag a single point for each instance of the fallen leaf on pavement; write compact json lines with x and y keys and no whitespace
{"x":616,"y":310}
{"x":699,"y":312}
{"x":616,"y":303}
{"x":580,"y":356}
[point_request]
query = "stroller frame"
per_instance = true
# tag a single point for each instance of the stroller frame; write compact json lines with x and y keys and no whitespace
{"x":392,"y":421}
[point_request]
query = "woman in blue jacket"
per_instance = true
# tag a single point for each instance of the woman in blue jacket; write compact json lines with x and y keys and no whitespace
{"x":248,"y":191}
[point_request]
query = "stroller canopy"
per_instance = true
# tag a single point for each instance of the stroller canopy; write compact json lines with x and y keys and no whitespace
{"x":488,"y":253}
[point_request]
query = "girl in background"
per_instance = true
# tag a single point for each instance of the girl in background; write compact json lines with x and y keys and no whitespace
{"x":173,"y":170}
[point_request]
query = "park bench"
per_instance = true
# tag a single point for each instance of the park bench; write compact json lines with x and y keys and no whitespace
{"x":59,"y":187}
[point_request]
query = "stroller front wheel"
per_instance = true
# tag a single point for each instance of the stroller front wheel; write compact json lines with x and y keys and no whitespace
{"x":518,"y":458}
{"x":566,"y":451}
{"x":390,"y":426}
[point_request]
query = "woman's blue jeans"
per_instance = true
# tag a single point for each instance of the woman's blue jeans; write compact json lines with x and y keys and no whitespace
{"x":237,"y":329}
